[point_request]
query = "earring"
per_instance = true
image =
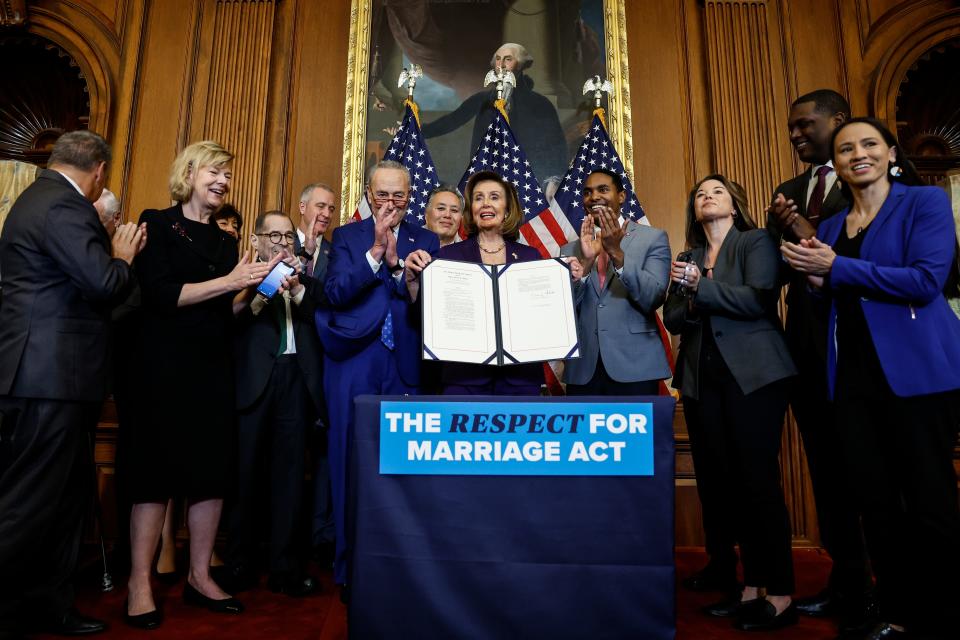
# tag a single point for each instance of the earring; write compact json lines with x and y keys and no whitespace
{"x":733,"y":213}
{"x":896,"y":171}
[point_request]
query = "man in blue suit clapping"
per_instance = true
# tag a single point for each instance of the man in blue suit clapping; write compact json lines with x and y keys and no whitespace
{"x":371,"y":332}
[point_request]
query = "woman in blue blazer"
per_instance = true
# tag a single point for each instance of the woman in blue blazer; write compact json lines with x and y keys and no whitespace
{"x":894,"y":372}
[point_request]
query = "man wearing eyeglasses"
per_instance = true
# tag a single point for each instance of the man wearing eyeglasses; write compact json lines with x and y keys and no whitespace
{"x":371,"y":335}
{"x":279,"y":398}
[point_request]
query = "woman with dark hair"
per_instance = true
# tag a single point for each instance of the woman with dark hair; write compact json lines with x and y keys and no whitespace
{"x":893,"y":349}
{"x":732,"y":371}
{"x":492,"y":217}
{"x":229,"y":219}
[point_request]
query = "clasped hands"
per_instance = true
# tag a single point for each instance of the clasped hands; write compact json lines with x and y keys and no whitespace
{"x":611,"y":235}
{"x":384,"y":241}
{"x":786,"y":216}
{"x":686,"y":274}
{"x":810,"y":257}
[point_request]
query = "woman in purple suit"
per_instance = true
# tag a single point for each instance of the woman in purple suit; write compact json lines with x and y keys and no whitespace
{"x":492,"y":217}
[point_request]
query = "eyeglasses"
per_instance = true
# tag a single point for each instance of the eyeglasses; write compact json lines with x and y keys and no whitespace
{"x":398,"y":197}
{"x":276,"y":237}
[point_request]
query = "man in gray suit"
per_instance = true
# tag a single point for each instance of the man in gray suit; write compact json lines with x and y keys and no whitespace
{"x":627,"y":267}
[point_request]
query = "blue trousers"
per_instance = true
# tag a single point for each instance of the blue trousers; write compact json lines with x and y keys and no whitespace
{"x":372,"y":371}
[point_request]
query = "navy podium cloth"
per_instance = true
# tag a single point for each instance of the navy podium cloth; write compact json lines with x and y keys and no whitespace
{"x":461,"y":556}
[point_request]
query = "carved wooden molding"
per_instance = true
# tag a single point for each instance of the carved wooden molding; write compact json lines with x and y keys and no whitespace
{"x":12,"y":12}
{"x":234,"y":91}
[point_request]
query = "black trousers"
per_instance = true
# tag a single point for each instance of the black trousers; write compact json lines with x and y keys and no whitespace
{"x":271,"y":464}
{"x":46,"y":485}
{"x":837,"y":517}
{"x":899,"y":458}
{"x":601,"y":384}
{"x":735,"y":441}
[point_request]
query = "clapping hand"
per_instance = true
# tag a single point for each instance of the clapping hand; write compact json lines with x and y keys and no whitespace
{"x":810,"y":256}
{"x":786,"y":216}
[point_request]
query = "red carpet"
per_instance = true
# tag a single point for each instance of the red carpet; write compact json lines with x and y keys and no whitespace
{"x":323,"y":617}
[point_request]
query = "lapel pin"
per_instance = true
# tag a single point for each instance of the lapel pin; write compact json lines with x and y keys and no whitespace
{"x":514,"y":255}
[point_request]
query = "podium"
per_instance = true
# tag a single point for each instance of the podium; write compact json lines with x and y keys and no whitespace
{"x":510,"y":556}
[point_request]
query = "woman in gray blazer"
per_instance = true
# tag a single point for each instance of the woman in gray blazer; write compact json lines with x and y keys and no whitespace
{"x":732,"y":372}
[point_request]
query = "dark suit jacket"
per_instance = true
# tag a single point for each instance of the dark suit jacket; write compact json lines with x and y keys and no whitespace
{"x":459,"y":373}
{"x":741,"y":300}
{"x":59,"y":284}
{"x":806,"y":325}
{"x":359,"y":298}
{"x":258,"y":342}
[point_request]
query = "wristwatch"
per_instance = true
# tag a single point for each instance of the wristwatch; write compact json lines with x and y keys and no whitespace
{"x":397,"y":267}
{"x":303,"y":253}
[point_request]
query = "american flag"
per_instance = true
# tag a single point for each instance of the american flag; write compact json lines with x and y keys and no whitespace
{"x":596,"y":152}
{"x":500,"y":152}
{"x":409,"y":149}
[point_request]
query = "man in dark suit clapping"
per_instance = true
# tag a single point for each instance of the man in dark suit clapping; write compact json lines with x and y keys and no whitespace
{"x":279,"y":398}
{"x":799,"y":205}
{"x":61,"y":275}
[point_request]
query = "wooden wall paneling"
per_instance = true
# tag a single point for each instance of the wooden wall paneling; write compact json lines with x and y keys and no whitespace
{"x":316,"y":125}
{"x":162,"y":102}
{"x":133,"y":24}
{"x":748,"y":82}
{"x":230,"y":89}
{"x":272,"y":192}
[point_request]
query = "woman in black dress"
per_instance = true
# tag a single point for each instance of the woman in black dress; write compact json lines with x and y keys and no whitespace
{"x":181,"y":444}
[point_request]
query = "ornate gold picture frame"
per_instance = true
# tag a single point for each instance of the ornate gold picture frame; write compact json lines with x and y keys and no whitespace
{"x":359,"y":90}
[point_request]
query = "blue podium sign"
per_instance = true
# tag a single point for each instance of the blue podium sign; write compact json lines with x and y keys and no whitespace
{"x":516,"y":438}
{"x":518,"y":538}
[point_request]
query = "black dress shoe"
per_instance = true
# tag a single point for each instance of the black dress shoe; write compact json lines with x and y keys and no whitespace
{"x":762,"y":616}
{"x":234,"y":579}
{"x":295,"y":587}
{"x":728,"y":607}
{"x":859,"y":619}
{"x":193,"y":597}
{"x":826,"y":603}
{"x":884,"y":631}
{"x":72,"y":623}
{"x":710,"y":579}
{"x":148,"y":620}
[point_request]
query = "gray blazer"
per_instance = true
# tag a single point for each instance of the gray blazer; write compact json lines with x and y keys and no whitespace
{"x":619,"y":323}
{"x":741,"y":300}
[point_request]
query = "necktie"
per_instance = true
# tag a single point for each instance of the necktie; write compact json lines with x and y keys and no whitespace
{"x":819,"y":191}
{"x":280,"y":307}
{"x":386,"y":333}
{"x":603,"y":260}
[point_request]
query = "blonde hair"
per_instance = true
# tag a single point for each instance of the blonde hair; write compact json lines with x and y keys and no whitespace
{"x":199,"y":154}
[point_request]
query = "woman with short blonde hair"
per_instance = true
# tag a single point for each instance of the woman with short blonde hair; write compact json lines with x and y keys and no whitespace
{"x":180,"y":441}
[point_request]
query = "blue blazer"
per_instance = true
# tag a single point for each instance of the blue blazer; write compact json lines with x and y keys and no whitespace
{"x":903,"y":265}
{"x":359,"y":298}
{"x":460,"y":373}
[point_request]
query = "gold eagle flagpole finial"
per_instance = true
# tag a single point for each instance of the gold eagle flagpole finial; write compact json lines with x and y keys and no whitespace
{"x":501,"y":77}
{"x":409,"y":77}
{"x":598,"y":86}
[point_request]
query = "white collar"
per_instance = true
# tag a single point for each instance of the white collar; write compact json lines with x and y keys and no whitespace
{"x":75,"y":185}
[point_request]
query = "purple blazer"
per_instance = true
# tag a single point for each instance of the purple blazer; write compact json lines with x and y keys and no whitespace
{"x":458,"y":373}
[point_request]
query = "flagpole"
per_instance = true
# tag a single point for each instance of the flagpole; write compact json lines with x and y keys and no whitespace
{"x":415,"y":109}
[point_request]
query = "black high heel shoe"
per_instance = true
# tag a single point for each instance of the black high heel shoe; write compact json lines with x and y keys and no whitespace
{"x":148,"y":620}
{"x":193,"y":597}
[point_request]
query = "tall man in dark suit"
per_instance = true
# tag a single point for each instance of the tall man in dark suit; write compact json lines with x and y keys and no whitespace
{"x":61,"y":276}
{"x":279,"y":398}
{"x":799,"y":205}
{"x":318,"y":203}
{"x":371,"y":336}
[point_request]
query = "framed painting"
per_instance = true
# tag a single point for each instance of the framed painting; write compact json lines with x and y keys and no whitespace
{"x":552,"y":46}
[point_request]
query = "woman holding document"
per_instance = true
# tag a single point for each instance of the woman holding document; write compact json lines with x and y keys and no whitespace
{"x":492,"y":218}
